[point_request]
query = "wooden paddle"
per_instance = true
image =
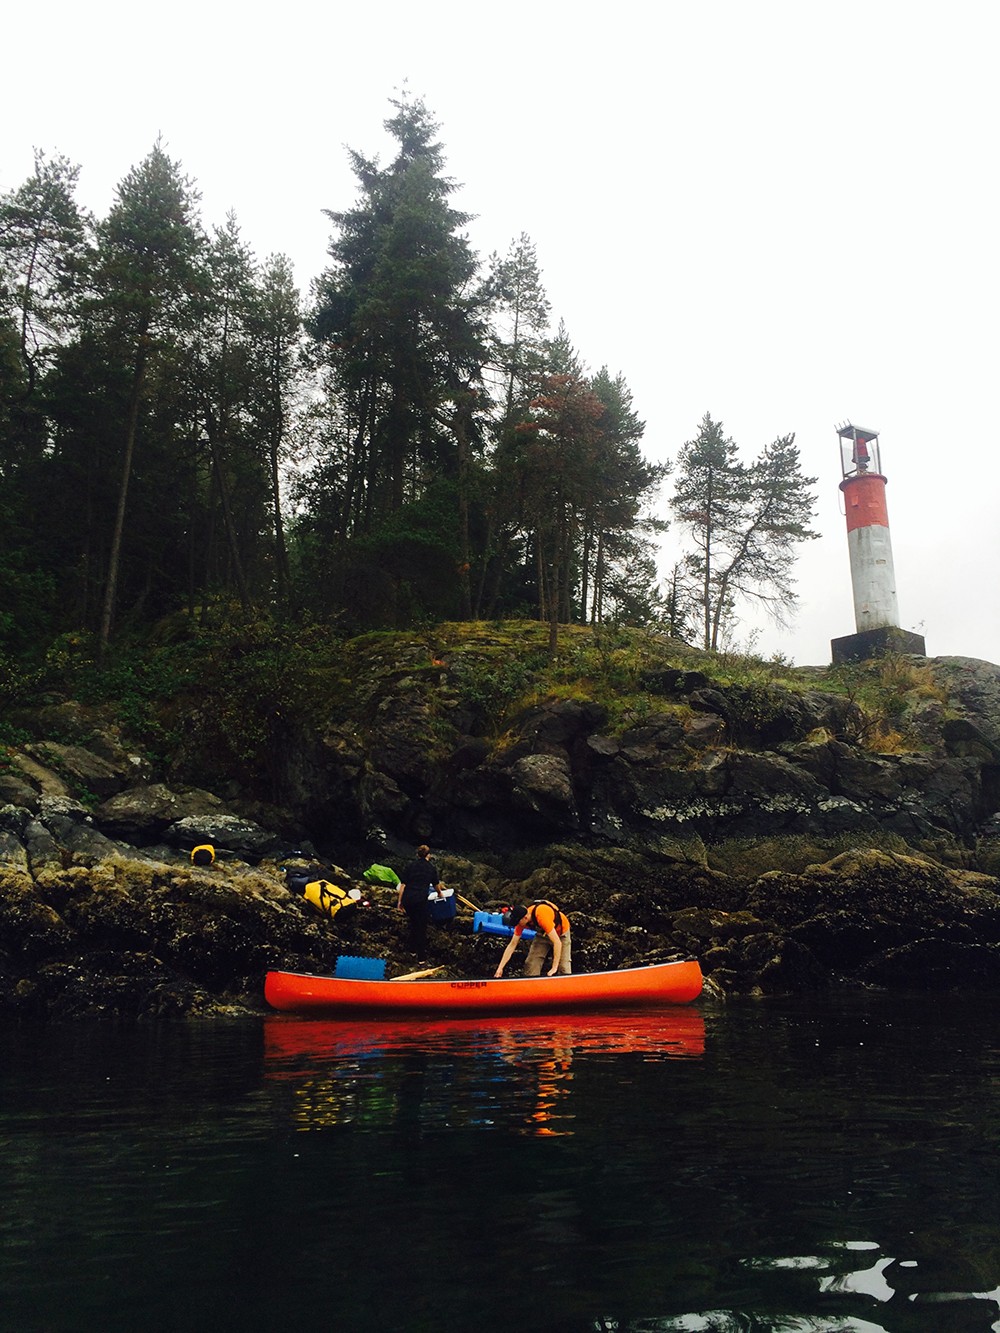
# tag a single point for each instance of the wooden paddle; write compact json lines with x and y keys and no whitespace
{"x":416,"y":976}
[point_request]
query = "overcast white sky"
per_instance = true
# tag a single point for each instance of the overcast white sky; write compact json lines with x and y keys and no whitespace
{"x":782,"y":213}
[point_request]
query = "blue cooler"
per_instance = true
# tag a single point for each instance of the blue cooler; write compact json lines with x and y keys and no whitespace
{"x":443,"y":908}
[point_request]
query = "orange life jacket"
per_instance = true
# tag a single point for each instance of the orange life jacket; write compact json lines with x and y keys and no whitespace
{"x":560,"y":919}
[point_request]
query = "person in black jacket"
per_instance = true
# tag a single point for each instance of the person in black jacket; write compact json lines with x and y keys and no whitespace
{"x":417,"y":880}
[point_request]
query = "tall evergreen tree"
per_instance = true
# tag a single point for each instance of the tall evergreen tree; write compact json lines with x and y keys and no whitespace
{"x":680,"y":601}
{"x":147,"y":294}
{"x":560,"y":445}
{"x":780,"y":506}
{"x":400,"y":325}
{"x":518,"y":310}
{"x":745,"y":522}
{"x":617,"y":523}
{"x":43,"y":240}
{"x":707,"y":497}
{"x":509,"y":573}
{"x":275,"y":327}
{"x":561,"y":356}
{"x":226,"y":375}
{"x":519,"y":316}
{"x":43,"y":249}
{"x":398,"y":319}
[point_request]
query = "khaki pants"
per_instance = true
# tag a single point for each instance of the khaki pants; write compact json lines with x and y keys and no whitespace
{"x":540,"y":956}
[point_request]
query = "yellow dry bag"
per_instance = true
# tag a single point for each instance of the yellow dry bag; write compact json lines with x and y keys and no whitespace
{"x":331,"y":899}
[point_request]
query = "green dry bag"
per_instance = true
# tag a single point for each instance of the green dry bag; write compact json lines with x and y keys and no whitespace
{"x":376,"y":874}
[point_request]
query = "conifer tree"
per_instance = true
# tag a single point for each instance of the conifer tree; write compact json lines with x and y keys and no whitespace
{"x":679,"y":601}
{"x":275,"y":327}
{"x":518,"y":311}
{"x":398,"y":318}
{"x":399,"y":323}
{"x":745,"y":521}
{"x":618,"y":526}
{"x":560,"y":441}
{"x":519,"y":316}
{"x":43,"y":251}
{"x":43,"y":240}
{"x":147,"y":294}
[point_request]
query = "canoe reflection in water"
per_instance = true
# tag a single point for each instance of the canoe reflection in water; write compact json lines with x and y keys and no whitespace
{"x":475,"y":1072}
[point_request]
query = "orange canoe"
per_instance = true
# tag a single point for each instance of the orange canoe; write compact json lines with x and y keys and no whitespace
{"x":664,"y":983}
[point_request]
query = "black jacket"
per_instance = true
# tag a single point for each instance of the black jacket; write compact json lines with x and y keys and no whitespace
{"x":419,"y":877}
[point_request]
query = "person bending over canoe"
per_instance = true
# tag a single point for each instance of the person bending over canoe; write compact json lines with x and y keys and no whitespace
{"x":551,"y":929}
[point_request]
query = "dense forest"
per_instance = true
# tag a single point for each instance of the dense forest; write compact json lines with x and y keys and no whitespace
{"x":183,"y":433}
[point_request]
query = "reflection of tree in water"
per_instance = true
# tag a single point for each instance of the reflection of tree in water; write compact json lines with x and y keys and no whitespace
{"x":402,"y":1092}
{"x":417,"y":1091}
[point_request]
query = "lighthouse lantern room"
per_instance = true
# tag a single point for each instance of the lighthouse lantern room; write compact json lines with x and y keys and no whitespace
{"x":873,"y":579}
{"x":859,"y":452}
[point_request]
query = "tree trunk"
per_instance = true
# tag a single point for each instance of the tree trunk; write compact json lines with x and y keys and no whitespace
{"x":114,"y":559}
{"x":227,"y":518}
{"x":282,"y":579}
{"x":597,"y":608}
{"x":461,"y":425}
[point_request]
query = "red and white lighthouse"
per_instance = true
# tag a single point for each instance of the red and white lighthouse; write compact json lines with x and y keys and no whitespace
{"x":873,"y":577}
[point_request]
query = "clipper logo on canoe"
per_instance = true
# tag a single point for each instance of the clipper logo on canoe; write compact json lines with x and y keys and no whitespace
{"x":469,"y":985}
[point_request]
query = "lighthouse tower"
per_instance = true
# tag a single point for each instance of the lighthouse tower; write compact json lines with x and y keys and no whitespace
{"x":873,"y":578}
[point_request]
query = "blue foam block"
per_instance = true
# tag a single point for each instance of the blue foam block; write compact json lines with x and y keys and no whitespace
{"x":360,"y":969}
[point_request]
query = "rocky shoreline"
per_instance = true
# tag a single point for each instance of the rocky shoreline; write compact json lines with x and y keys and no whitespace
{"x":783,"y":855}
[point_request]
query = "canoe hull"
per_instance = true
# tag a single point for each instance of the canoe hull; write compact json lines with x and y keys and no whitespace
{"x":664,"y":983}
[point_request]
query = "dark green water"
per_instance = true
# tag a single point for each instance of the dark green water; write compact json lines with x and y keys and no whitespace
{"x":764,"y":1166}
